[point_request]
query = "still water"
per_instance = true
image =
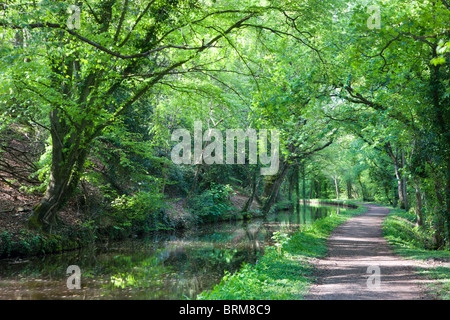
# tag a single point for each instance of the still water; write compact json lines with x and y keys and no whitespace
{"x":167,"y":266}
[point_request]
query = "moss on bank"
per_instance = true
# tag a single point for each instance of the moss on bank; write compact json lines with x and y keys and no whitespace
{"x":30,"y":243}
{"x":285,"y":271}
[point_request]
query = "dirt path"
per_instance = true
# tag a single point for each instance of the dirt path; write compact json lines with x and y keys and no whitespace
{"x":357,"y":252}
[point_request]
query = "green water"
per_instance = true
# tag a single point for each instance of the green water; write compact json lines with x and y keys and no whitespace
{"x":175,"y":265}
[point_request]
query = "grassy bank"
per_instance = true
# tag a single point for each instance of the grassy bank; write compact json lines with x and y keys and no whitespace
{"x":412,"y":242}
{"x":285,"y":271}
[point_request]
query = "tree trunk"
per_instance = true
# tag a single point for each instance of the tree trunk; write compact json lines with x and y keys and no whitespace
{"x":363,"y":189}
{"x":304,"y":183}
{"x":291,"y":185}
{"x":318,"y":184}
{"x":401,"y":199}
{"x":419,"y":214}
{"x":400,"y":181}
{"x":63,"y":181}
{"x":336,"y":185}
{"x":439,"y":222}
{"x":404,"y":190}
{"x":442,"y":116}
{"x":273,"y":186}
{"x":447,"y":199}
{"x":349,"y":189}
{"x":68,"y":161}
{"x":253,"y":195}
{"x":297,"y":189}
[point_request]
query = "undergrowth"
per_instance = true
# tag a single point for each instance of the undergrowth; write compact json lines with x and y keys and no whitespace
{"x":413,"y":242}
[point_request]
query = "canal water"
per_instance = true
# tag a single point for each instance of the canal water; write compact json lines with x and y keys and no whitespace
{"x":175,"y":265}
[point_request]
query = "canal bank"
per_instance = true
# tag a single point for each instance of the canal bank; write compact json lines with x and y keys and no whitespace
{"x":287,"y":270}
{"x":171,"y":265}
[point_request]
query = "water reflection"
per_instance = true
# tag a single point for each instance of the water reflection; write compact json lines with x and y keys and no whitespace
{"x":164,"y":266}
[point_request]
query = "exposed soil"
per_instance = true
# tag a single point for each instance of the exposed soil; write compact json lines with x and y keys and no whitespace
{"x":357,"y":253}
{"x":17,"y":207}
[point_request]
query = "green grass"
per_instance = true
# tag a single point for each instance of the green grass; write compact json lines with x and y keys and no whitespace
{"x":441,"y":286}
{"x":412,"y":242}
{"x":285,"y":271}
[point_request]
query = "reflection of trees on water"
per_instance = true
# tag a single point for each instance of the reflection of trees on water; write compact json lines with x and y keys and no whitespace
{"x":167,"y":266}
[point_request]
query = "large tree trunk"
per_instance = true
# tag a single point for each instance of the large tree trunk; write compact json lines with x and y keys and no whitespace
{"x":254,"y":184}
{"x":273,"y":186}
{"x":447,"y":199}
{"x":442,"y":116}
{"x":68,"y":161}
{"x":349,"y":189}
{"x":401,"y":183}
{"x":62,"y":184}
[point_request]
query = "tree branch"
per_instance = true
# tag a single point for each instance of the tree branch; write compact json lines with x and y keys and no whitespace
{"x":122,"y":17}
{"x":102,"y":48}
{"x":136,"y":23}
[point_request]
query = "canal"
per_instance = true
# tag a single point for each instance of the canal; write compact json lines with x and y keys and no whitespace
{"x":174,"y":265}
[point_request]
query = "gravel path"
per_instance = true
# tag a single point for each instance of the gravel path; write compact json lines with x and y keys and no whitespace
{"x":362,"y":266}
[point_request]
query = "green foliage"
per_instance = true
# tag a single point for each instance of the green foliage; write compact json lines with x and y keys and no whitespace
{"x":273,"y":277}
{"x":400,"y":229}
{"x":5,"y":243}
{"x":213,"y":203}
{"x":141,"y":211}
{"x":26,"y":242}
{"x":280,"y":239}
{"x":284,"y":271}
{"x":441,"y":284}
{"x":106,"y":98}
{"x":415,"y":243}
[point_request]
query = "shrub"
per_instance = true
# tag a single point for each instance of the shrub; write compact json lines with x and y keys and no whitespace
{"x":213,"y":203}
{"x":399,"y":228}
{"x":142,"y":211}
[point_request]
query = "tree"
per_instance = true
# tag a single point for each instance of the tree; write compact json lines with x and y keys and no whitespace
{"x":85,"y":79}
{"x":396,"y":76}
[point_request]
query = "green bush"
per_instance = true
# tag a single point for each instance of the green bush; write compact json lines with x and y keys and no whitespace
{"x":399,"y":229}
{"x":142,"y":211}
{"x":213,"y":203}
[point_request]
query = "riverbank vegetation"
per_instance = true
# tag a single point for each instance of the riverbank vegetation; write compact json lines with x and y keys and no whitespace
{"x":401,"y":230}
{"x":90,"y":95}
{"x":285,"y":271}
